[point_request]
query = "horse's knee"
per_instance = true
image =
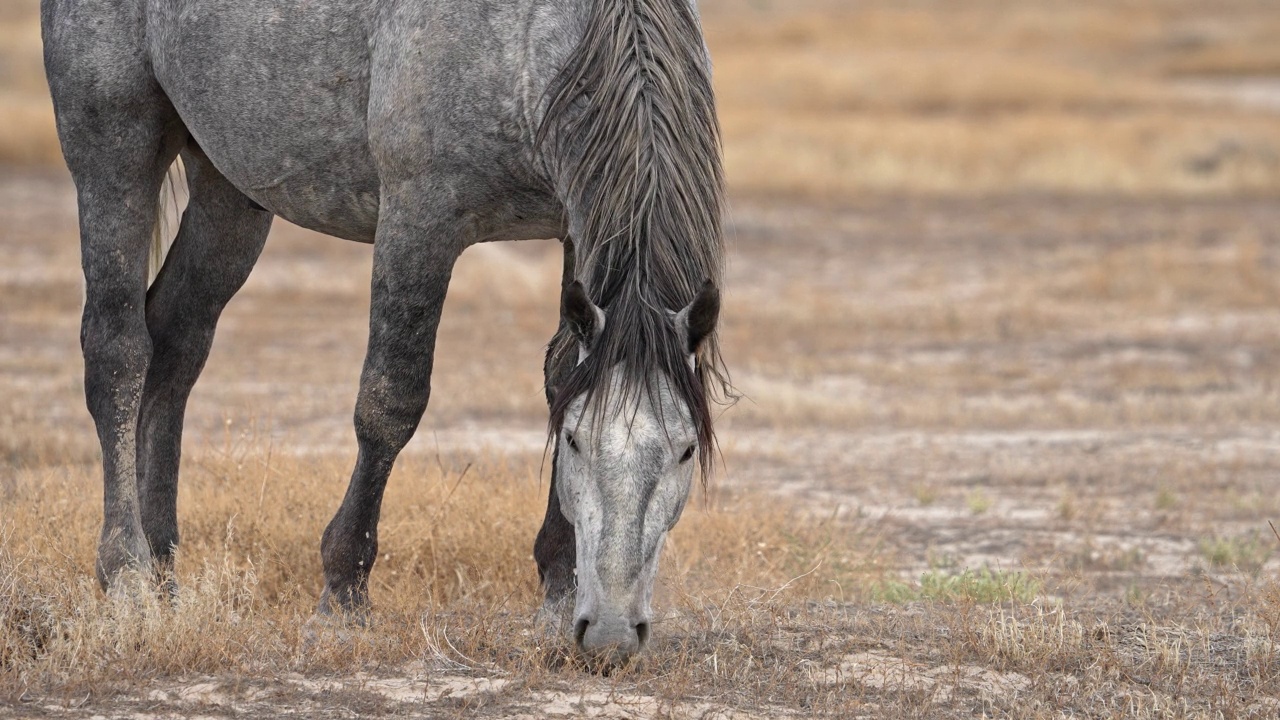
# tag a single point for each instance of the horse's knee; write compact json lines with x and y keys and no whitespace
{"x":387,"y":416}
{"x":113,"y":310}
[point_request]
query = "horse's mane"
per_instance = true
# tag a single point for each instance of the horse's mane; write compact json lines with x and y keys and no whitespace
{"x":631,"y":136}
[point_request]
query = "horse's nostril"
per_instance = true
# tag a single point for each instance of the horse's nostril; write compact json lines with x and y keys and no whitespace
{"x":642,"y":632}
{"x":580,"y":631}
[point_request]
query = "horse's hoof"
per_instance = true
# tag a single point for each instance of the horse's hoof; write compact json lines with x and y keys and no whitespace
{"x":321,"y":631}
{"x":343,"y":609}
{"x":132,"y":587}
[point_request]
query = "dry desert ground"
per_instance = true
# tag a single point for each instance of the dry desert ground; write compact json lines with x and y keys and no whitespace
{"x":1003,"y":305}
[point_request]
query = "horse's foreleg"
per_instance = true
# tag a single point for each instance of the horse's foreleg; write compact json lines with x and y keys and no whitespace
{"x":219,"y":240}
{"x":413,"y":258}
{"x":554,"y":549}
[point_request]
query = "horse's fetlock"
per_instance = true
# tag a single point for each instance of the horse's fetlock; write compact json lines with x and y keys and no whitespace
{"x":121,"y":554}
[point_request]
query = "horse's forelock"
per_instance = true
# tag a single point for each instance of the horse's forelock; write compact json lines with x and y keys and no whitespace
{"x":642,"y":347}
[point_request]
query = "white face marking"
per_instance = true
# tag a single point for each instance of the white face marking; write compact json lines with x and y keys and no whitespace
{"x":624,"y":467}
{"x":623,"y":481}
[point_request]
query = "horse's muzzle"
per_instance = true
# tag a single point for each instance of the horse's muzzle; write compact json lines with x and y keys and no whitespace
{"x":609,"y":638}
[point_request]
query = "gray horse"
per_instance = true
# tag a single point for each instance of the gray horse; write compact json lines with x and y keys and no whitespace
{"x":421,"y":126}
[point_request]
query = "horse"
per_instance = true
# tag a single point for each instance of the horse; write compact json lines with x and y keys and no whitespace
{"x":422,"y":127}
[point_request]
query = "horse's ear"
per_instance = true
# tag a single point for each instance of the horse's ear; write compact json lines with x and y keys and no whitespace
{"x":584,"y":319}
{"x":698,"y":319}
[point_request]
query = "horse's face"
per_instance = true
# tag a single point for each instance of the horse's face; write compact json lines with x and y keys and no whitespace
{"x":624,"y":470}
{"x":623,"y":480}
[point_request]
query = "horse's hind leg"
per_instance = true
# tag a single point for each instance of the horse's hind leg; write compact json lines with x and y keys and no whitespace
{"x":219,"y":240}
{"x":119,"y":133}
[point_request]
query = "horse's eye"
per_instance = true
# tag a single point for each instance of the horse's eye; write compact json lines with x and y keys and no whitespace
{"x":573,"y":442}
{"x":688,"y":455}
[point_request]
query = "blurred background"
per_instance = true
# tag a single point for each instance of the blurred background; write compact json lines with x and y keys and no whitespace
{"x":831,"y":98}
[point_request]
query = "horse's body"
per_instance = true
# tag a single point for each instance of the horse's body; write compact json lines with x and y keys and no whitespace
{"x":422,"y":126}
{"x":311,"y":109}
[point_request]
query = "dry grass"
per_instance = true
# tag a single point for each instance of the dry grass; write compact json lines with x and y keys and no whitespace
{"x":456,"y":561}
{"x":455,"y":596}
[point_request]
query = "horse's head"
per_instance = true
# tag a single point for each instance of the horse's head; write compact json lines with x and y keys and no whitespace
{"x":626,"y":455}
